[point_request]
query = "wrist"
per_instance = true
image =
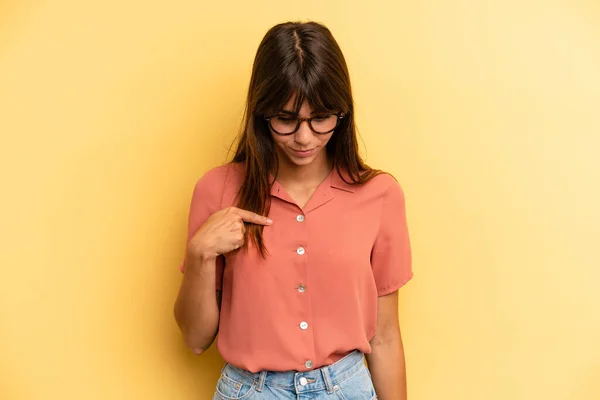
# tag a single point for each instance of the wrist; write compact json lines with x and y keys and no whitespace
{"x":201,"y":258}
{"x":200,"y":265}
{"x":199,"y":249}
{"x":199,"y":254}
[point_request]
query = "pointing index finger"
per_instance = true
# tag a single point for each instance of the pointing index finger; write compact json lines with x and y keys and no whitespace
{"x":253,"y":218}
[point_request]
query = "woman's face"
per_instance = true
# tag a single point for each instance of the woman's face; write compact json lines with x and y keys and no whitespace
{"x":303,"y":147}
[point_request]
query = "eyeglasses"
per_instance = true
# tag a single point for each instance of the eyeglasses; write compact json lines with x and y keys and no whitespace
{"x":321,"y":124}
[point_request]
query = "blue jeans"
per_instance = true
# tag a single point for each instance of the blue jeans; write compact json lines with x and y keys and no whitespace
{"x":347,"y":379}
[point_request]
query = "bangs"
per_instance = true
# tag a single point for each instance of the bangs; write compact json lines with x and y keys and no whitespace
{"x":320,"y":96}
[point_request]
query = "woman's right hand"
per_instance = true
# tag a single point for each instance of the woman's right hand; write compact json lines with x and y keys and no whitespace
{"x":223,"y":232}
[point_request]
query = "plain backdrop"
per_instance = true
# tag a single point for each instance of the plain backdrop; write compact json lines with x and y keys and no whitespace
{"x":487,"y":112}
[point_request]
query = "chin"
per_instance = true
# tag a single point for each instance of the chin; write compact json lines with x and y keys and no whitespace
{"x":303,"y":161}
{"x":294,"y":160}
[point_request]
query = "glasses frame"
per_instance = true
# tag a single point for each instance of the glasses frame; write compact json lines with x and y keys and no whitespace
{"x":299,"y":121}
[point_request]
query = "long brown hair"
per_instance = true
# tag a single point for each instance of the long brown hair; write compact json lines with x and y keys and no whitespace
{"x":305,"y":61}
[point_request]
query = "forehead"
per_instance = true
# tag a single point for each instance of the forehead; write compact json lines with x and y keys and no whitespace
{"x":291,"y":106}
{"x":304,"y":108}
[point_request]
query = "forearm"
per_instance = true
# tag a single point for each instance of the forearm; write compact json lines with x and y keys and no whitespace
{"x":196,"y":308}
{"x":387,"y":366}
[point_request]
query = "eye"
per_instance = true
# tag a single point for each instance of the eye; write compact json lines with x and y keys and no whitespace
{"x":286,"y":119}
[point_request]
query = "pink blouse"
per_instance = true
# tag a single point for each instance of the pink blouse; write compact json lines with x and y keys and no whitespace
{"x":314,"y":299}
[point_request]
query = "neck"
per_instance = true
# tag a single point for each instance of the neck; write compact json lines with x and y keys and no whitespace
{"x":313,"y":174}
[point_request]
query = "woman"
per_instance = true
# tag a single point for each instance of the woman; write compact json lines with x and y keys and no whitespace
{"x":296,"y":248}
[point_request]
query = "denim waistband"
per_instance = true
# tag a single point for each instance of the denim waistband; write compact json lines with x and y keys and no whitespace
{"x":306,"y":381}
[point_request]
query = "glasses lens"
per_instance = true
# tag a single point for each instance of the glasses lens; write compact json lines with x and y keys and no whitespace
{"x":321,"y":123}
{"x":284,"y":125}
{"x":324,"y":123}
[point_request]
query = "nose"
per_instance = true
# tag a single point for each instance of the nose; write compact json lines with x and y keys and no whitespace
{"x":304,"y":134}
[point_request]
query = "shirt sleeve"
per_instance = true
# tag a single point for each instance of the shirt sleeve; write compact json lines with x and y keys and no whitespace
{"x":206,"y":200}
{"x":391,"y":253}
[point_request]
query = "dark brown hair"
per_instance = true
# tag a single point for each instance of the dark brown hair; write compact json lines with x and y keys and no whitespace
{"x":305,"y":61}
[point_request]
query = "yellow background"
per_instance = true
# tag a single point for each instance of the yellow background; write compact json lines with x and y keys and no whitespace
{"x":488,"y":112}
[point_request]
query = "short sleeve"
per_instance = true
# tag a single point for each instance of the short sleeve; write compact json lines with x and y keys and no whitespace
{"x":206,"y":200}
{"x":391,"y":253}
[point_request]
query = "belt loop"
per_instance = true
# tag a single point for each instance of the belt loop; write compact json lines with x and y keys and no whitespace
{"x":327,"y":379}
{"x":261,"y":381}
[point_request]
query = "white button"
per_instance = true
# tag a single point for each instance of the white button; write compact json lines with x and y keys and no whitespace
{"x":302,"y":288}
{"x":300,"y":218}
{"x":300,"y":250}
{"x":303,"y":381}
{"x":308,"y":364}
{"x":303,"y":325}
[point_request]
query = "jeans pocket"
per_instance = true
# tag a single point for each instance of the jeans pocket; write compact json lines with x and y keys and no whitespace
{"x":357,"y":387}
{"x":234,"y":386}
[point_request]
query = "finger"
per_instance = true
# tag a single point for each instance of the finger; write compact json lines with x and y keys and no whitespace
{"x":253,"y":218}
{"x":240,"y":239}
{"x":238,"y":226}
{"x":238,"y":244}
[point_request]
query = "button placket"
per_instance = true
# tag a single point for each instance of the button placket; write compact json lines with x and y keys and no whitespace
{"x":301,"y":236}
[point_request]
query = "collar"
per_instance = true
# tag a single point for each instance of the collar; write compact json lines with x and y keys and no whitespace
{"x":335,"y":179}
{"x":340,"y":181}
{"x":324,"y":193}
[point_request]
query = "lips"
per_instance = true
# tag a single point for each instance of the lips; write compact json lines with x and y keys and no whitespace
{"x":303,"y":153}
